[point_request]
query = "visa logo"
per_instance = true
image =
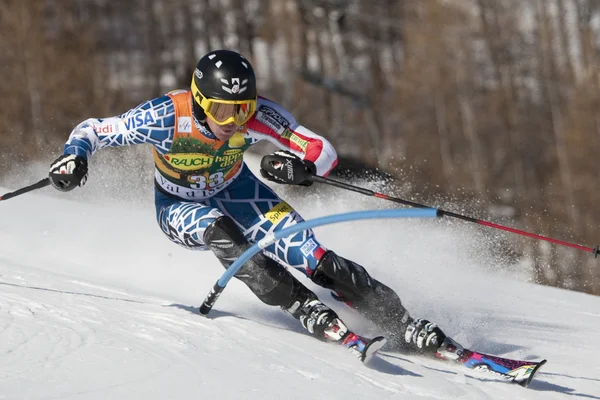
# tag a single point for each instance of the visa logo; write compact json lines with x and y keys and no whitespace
{"x":140,"y":119}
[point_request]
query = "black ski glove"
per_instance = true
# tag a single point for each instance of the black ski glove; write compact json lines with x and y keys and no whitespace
{"x":285,"y":167}
{"x":68,"y":172}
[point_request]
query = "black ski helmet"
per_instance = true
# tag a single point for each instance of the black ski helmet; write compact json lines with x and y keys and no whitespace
{"x":222,"y":75}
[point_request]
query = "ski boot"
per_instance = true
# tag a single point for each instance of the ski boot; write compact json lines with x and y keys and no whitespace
{"x":428,"y":339}
{"x":423,"y":337}
{"x":450,"y":350}
{"x":324,"y":324}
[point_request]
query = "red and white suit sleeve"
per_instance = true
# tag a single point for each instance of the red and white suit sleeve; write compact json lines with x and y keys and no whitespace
{"x":277,"y":125}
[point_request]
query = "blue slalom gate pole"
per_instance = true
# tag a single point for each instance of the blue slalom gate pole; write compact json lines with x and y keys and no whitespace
{"x":269,"y":239}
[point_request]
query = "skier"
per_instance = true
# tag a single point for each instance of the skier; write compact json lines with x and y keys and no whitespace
{"x":207,"y":198}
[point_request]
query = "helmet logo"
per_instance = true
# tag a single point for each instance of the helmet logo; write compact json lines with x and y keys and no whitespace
{"x":198,"y":73}
{"x":235,"y":87}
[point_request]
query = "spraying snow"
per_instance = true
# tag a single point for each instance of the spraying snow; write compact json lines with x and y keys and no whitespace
{"x":96,"y":304}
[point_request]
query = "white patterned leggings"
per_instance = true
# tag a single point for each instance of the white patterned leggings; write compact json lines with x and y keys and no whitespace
{"x":256,"y":210}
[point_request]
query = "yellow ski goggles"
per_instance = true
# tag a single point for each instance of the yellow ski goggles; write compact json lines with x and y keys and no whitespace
{"x":224,"y":112}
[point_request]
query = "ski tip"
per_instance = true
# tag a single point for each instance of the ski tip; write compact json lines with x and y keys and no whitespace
{"x":527,"y":381}
{"x":372,"y":348}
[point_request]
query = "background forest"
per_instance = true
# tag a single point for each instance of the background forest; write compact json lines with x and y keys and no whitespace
{"x":486,"y":107}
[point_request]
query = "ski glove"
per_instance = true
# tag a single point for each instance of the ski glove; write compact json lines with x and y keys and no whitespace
{"x":68,"y":172}
{"x":286,"y":167}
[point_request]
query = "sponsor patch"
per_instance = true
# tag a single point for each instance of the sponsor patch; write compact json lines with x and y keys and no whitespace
{"x":227,"y":160}
{"x":277,"y":213}
{"x":199,"y":161}
{"x":184,"y":124}
{"x":272,"y":119}
{"x":308,"y":247}
{"x":139,"y":119}
{"x":297,"y":140}
{"x":106,"y":128}
{"x":232,"y":152}
{"x":189,"y":161}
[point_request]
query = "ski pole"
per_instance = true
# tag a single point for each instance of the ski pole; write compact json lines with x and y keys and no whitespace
{"x":595,"y":251}
{"x":271,"y":238}
{"x":43,"y":183}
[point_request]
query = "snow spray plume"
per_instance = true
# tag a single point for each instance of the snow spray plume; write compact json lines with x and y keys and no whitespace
{"x":595,"y":251}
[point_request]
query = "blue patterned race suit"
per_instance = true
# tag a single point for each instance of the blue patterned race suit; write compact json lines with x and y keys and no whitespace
{"x":204,"y":189}
{"x":185,"y":204}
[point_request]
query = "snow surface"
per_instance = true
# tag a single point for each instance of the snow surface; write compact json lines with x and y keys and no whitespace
{"x":95,"y":303}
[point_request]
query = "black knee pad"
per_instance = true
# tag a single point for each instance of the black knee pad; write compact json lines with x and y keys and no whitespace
{"x":349,"y":279}
{"x":225,"y":240}
{"x":353,"y":284}
{"x":267,"y":279}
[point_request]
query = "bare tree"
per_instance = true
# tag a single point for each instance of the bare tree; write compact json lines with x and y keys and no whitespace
{"x":497,"y":101}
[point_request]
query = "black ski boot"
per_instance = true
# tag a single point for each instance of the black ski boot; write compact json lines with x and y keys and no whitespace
{"x":324,"y":324}
{"x":351,"y":283}
{"x":424,"y":337}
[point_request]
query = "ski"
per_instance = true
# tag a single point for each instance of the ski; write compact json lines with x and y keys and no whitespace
{"x":511,"y":370}
{"x":515,"y":371}
{"x":364,"y":349}
{"x":372,"y":348}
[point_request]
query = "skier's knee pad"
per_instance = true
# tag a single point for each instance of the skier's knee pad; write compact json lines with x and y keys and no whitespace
{"x":349,"y":279}
{"x":288,"y":292}
{"x":353,"y":284}
{"x":267,"y":279}
{"x":225,"y":240}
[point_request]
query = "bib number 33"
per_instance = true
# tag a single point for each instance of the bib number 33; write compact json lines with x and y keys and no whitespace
{"x":201,"y":182}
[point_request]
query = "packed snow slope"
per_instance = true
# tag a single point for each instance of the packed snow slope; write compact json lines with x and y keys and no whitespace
{"x":95,"y":303}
